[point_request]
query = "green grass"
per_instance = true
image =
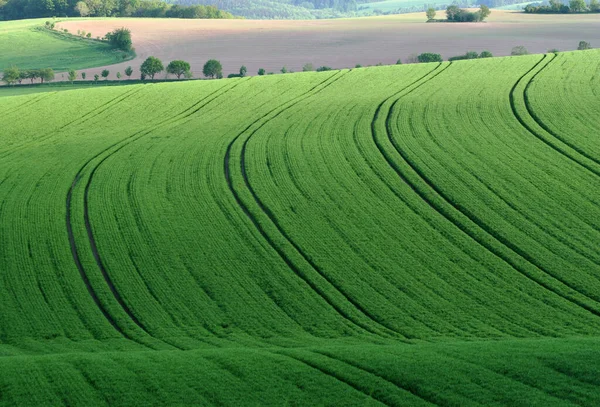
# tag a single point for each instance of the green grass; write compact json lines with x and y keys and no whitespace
{"x":26,"y":45}
{"x":386,"y":235}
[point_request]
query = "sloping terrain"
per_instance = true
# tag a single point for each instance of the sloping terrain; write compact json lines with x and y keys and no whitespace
{"x":415,"y":235}
{"x":340,"y":43}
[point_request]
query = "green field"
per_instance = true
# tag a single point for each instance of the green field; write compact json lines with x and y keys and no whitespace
{"x":24,"y":44}
{"x":421,"y":234}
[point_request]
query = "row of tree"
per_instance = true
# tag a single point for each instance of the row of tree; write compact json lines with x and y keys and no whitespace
{"x":556,"y":7}
{"x":19,"y":9}
{"x":14,"y":75}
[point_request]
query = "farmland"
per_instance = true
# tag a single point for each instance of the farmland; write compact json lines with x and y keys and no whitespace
{"x":24,"y":44}
{"x":386,"y":235}
{"x":341,"y":43}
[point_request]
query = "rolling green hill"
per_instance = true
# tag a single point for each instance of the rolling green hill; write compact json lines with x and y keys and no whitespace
{"x":27,"y":45}
{"x":405,"y":235}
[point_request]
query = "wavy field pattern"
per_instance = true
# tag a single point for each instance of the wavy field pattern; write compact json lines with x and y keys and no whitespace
{"x":406,"y":235}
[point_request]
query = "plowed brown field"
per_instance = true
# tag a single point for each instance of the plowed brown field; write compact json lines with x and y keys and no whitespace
{"x":339,"y":43}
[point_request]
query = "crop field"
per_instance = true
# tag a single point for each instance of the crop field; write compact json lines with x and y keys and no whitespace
{"x":340,"y":43}
{"x":376,"y":236}
{"x":23,"y":44}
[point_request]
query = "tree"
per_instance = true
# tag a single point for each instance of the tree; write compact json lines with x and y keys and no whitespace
{"x":82,"y":9}
{"x":212,"y":69}
{"x":595,"y":6}
{"x":151,"y":66}
{"x":33,"y":74}
{"x":96,"y":78}
{"x":429,"y":57}
{"x":120,"y":38}
{"x":83,"y":75}
{"x":283,"y":70}
{"x":519,"y":50}
{"x":261,"y":72}
{"x":452,"y":12}
{"x":72,"y":75}
{"x":105,"y":74}
{"x":399,"y":62}
{"x":430,"y":13}
{"x":358,"y":66}
{"x":583,"y":45}
{"x":243,"y":71}
{"x":178,"y":68}
{"x":119,"y":76}
{"x":11,"y":75}
{"x":485,"y":54}
{"x":129,"y":71}
{"x":577,"y":6}
{"x":46,"y":74}
{"x":308,"y":67}
{"x":324,"y":68}
{"x":484,"y":12}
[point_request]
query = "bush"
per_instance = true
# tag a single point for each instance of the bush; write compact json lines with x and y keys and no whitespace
{"x":429,"y":57}
{"x":485,"y":54}
{"x":261,"y":72}
{"x":120,"y":38}
{"x":324,"y":68}
{"x":243,"y":71}
{"x":308,"y":67}
{"x":519,"y":50}
{"x":583,"y":45}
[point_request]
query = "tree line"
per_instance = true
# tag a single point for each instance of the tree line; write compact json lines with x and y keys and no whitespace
{"x":459,"y":15}
{"x":19,"y":9}
{"x":556,"y":7}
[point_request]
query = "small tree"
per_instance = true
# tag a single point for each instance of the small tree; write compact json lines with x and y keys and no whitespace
{"x":452,"y":12}
{"x":212,"y":69}
{"x":583,"y":45}
{"x":46,"y":74}
{"x":399,"y":62}
{"x":358,"y":66}
{"x":519,"y":50}
{"x":429,"y":57}
{"x":484,"y":12}
{"x":430,"y":13}
{"x":129,"y":71}
{"x":105,"y":74}
{"x":88,"y":35}
{"x":261,"y":72}
{"x":11,"y":75}
{"x":120,"y":38}
{"x":485,"y":54}
{"x":96,"y":78}
{"x":308,"y":67}
{"x":119,"y":76}
{"x":284,"y":70}
{"x":151,"y":67}
{"x":243,"y":71}
{"x":178,"y":68}
{"x":72,"y":75}
{"x":83,"y":75}
{"x":82,"y":9}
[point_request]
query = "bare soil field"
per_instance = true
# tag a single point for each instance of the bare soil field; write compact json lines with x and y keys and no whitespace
{"x":341,"y":43}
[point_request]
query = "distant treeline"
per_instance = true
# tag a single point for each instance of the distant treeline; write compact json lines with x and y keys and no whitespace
{"x":19,"y":9}
{"x":556,"y":7}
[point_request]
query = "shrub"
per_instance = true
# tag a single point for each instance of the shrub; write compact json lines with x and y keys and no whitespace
{"x":519,"y":50}
{"x":261,"y":72}
{"x":583,"y":45}
{"x":120,"y":38}
{"x":324,"y":68}
{"x":429,"y":57}
{"x":308,"y":67}
{"x":485,"y":54}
